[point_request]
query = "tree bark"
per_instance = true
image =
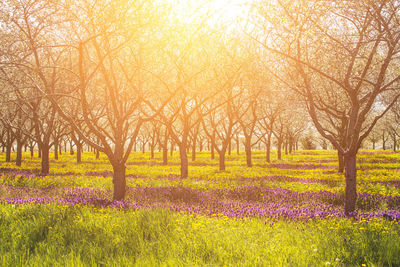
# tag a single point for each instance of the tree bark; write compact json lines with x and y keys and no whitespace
{"x":237,"y":145}
{"x":18,"y":160}
{"x":78,"y":153}
{"x":8,"y":152}
{"x":247,"y":148}
{"x":151,"y":151}
{"x":212,"y":148}
{"x":56,"y":149}
{"x":340,"y":162}
{"x":194,"y":150}
{"x":268,"y":149}
{"x":71,"y":149}
{"x":222,"y":160}
{"x":394,"y":142}
{"x":383,"y":142}
{"x":230,"y":146}
{"x":279,"y":150}
{"x":164,"y":146}
{"x":184,"y":161}
{"x":144,"y":147}
{"x":45,"y":159}
{"x":286,"y":147}
{"x":119,"y":181}
{"x":165,"y":155}
{"x":350,"y":190}
{"x":172,"y":148}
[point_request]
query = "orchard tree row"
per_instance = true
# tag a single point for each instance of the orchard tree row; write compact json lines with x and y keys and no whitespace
{"x":115,"y":74}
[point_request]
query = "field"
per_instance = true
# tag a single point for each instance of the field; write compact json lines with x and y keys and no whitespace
{"x":289,"y":212}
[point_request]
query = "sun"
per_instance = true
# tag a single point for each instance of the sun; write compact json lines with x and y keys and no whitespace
{"x":216,"y":13}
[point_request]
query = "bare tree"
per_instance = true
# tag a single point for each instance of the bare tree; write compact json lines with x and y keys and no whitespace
{"x":29,"y":66}
{"x":343,"y":54}
{"x":110,"y":69}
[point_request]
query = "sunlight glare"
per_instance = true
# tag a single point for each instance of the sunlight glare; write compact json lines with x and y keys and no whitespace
{"x":215,"y":13}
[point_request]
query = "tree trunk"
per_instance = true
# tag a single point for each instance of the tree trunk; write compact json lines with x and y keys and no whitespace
{"x":383,"y":142}
{"x":152,"y":151}
{"x":39,"y":152}
{"x":290,"y":146}
{"x":78,"y":153}
{"x":268,"y":149}
{"x":394,"y":142}
{"x":341,"y":162}
{"x":71,"y":149}
{"x":31,"y":150}
{"x":45,"y":159}
{"x":56,"y":150}
{"x":222,"y":160}
{"x":119,"y":181}
{"x":8,"y":152}
{"x":165,"y":155}
{"x":184,"y":161}
{"x":194,"y":150}
{"x":97,"y":154}
{"x":279,"y":150}
{"x":286,"y":147}
{"x":18,"y":160}
{"x":212,"y":149}
{"x":247,"y":147}
{"x":229,"y":145}
{"x":237,"y":145}
{"x":373,"y":145}
{"x":172,"y":148}
{"x":350,"y":190}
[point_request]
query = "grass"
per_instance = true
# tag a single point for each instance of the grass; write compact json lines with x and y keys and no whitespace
{"x":79,"y":235}
{"x":56,"y":235}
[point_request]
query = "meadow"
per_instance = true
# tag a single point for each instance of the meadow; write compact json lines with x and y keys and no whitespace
{"x":286,"y":213}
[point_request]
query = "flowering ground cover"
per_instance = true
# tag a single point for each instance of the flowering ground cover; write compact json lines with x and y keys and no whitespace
{"x":289,"y":212}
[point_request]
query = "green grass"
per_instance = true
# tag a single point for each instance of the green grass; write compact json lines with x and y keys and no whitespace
{"x":55,"y":235}
{"x":152,"y":173}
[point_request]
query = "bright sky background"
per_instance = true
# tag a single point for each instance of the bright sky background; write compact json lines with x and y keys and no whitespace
{"x":229,"y":12}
